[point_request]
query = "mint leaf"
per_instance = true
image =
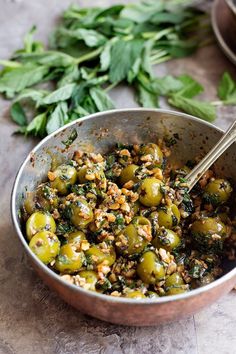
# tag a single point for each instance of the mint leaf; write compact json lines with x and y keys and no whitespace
{"x":227,"y":89}
{"x":37,"y":126}
{"x":18,"y":114}
{"x":105,"y":57}
{"x":16,"y":80}
{"x":143,"y":11}
{"x":48,"y":58}
{"x":57,"y":118}
{"x":166,"y":85}
{"x":101,"y":99}
{"x":146,"y":98}
{"x":90,"y":37}
{"x":31,"y":94}
{"x":190,"y":88}
{"x":123,"y":56}
{"x":194,"y":107}
{"x":61,"y":94}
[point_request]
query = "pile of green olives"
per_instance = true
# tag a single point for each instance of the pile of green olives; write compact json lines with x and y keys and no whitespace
{"x":116,"y":225}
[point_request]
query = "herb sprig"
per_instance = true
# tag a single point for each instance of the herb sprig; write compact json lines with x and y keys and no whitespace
{"x":93,"y":50}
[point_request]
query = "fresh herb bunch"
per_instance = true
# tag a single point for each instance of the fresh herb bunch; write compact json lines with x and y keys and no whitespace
{"x":93,"y":50}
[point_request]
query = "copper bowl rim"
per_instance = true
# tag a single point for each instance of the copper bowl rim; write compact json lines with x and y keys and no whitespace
{"x":224,"y":278}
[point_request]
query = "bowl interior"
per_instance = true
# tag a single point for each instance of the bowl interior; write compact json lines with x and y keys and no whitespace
{"x":100,"y":132}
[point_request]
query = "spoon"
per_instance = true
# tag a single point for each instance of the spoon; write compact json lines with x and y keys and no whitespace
{"x":226,"y":140}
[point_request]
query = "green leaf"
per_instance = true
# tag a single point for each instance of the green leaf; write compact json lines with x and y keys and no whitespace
{"x":169,"y":17}
{"x":90,"y":37}
{"x":143,"y":11}
{"x":48,"y":58}
{"x":37,"y":126}
{"x":80,"y":112}
{"x":190,"y":88}
{"x":70,"y":75}
{"x":101,"y":99}
{"x":166,"y":85}
{"x":133,"y":72}
{"x":146,"y":98}
{"x":30,"y":46}
{"x":227,"y":89}
{"x":57,"y":118}
{"x":194,"y":107}
{"x":16,"y":80}
{"x":18,"y":114}
{"x":29,"y":40}
{"x":61,"y":94}
{"x":31,"y":94}
{"x":105,"y":57}
{"x":123,"y":57}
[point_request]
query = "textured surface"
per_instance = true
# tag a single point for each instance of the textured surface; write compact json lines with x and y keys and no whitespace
{"x":33,"y":319}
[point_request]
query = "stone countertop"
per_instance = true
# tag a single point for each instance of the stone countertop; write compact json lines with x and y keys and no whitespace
{"x":32,"y":318}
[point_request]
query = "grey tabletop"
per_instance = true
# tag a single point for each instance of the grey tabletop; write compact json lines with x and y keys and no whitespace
{"x":32,"y":318}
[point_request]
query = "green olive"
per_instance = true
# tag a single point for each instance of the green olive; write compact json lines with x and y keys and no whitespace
{"x":128,"y":174}
{"x":167,"y":239}
{"x":95,"y":174}
{"x":29,"y":203}
{"x":136,"y":207}
{"x":141,"y":220}
{"x":39,"y":221}
{"x":90,"y":277}
{"x":176,"y":290}
{"x":81,"y":174}
{"x":129,"y":241}
{"x":81,"y":213}
{"x":98,"y":254}
{"x":150,"y":192}
{"x":217,"y":191}
{"x":168,"y":216}
{"x":175,"y":284}
{"x":208,"y":226}
{"x":154,"y":151}
{"x":45,"y":245}
{"x":135,"y":294}
{"x":46,"y":197}
{"x":152,"y":295}
{"x":65,"y":176}
{"x":76,"y":237}
{"x":174,"y":279}
{"x":208,"y":232}
{"x":183,"y":171}
{"x":150,"y":269}
{"x":69,"y":259}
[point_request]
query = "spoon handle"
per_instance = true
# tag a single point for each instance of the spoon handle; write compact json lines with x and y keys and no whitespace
{"x":227,"y":139}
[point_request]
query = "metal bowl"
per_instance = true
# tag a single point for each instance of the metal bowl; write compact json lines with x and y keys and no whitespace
{"x":224,"y":26}
{"x":101,"y":131}
{"x":232,"y":5}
